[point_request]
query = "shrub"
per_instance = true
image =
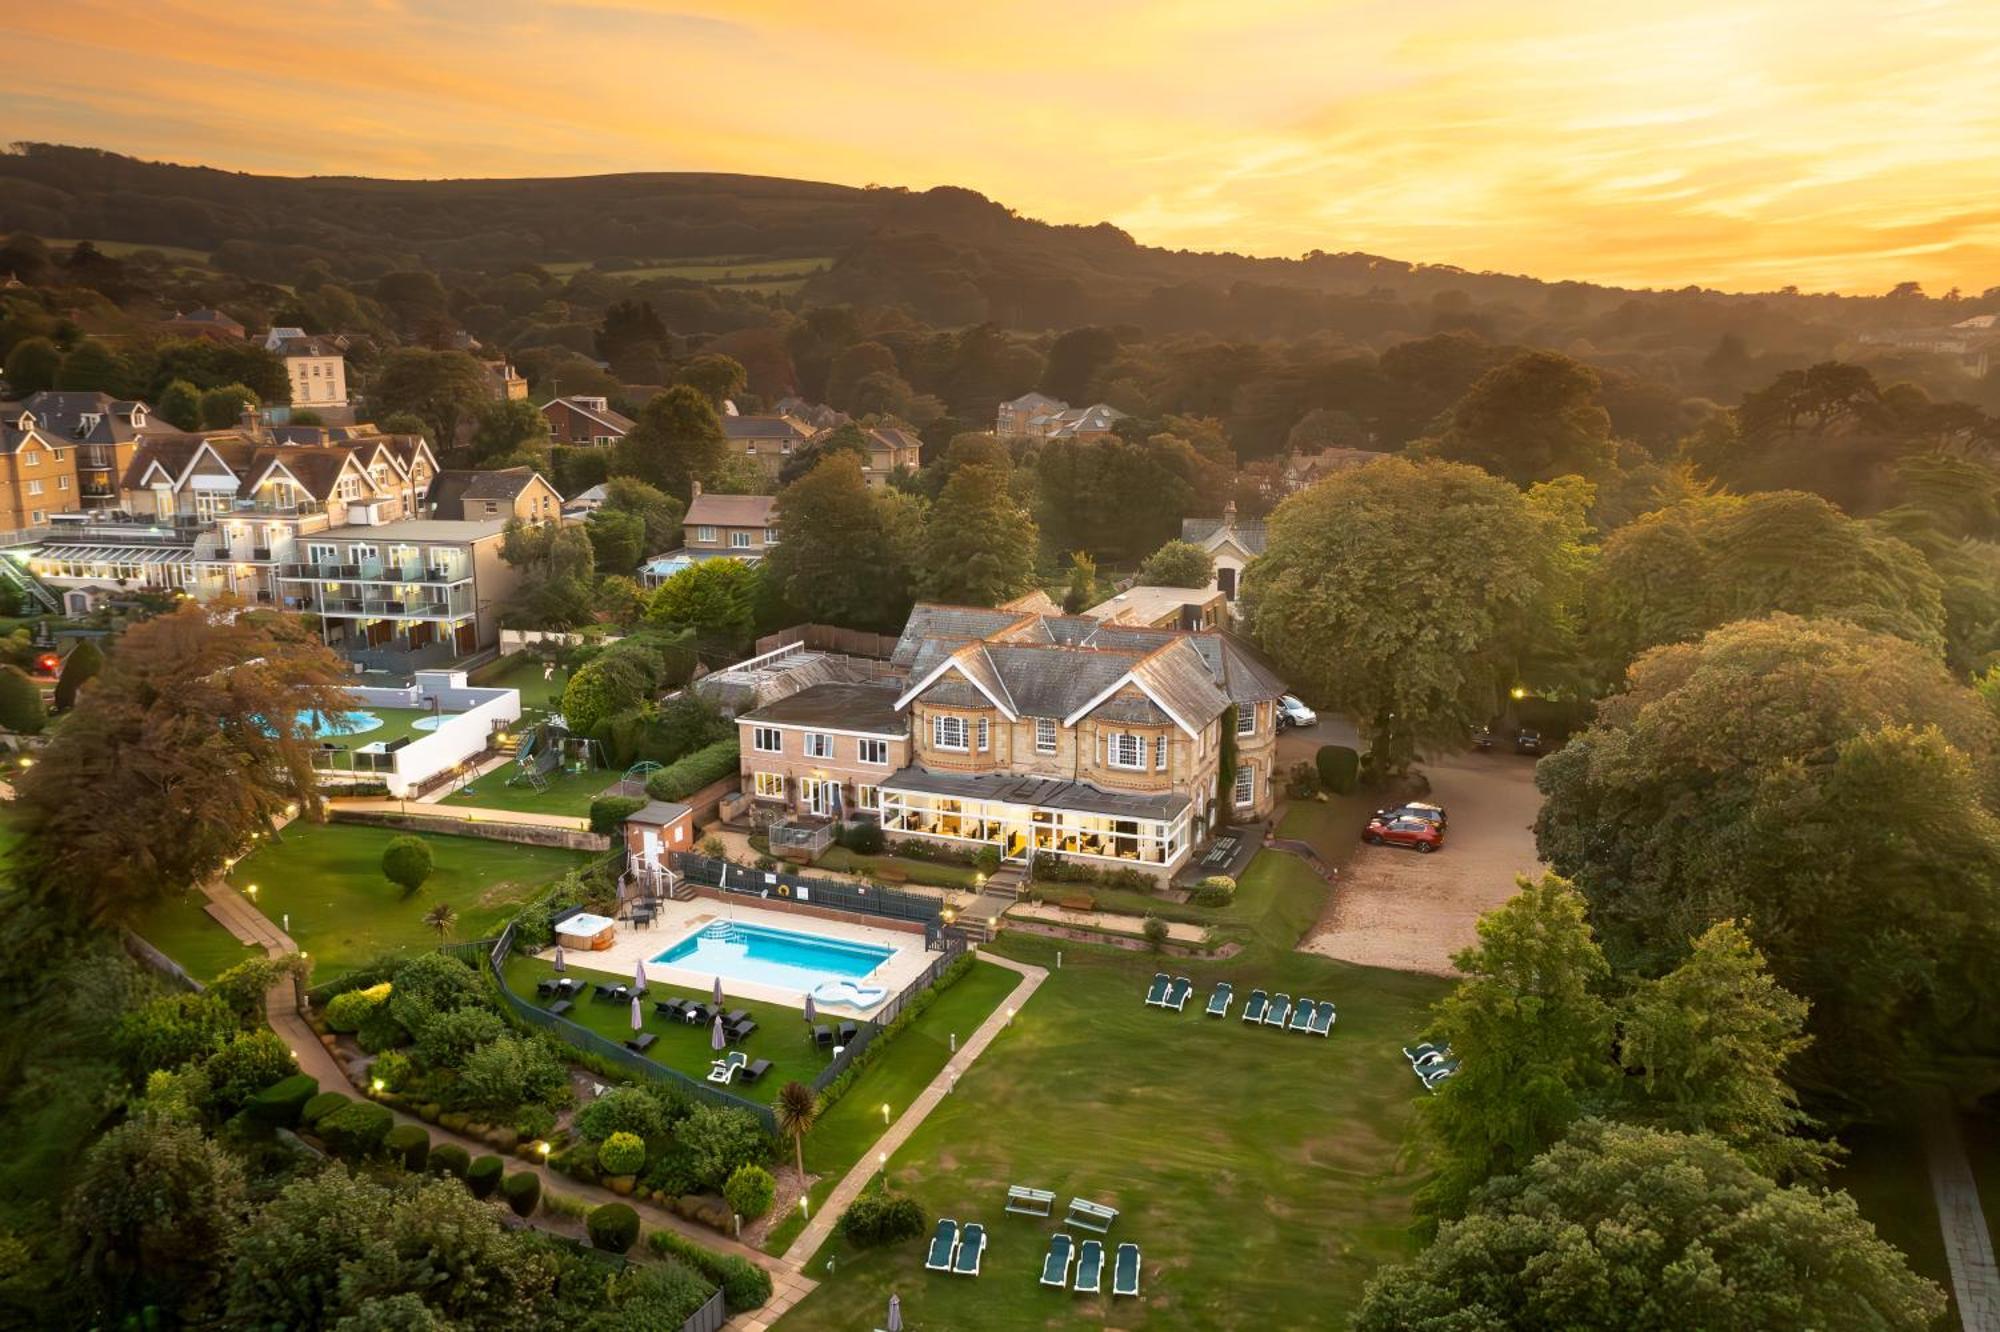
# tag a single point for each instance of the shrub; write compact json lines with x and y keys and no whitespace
{"x":1302,"y":781}
{"x":1155,"y":931}
{"x":1129,"y":880}
{"x":750,"y":1191}
{"x":712,"y":847}
{"x":483,"y":1175}
{"x":881,"y":1218}
{"x":719,"y":1140}
{"x":661,"y":1295}
{"x":346,"y":1011}
{"x":446,"y":1039}
{"x":535,"y":1121}
{"x":380,"y":1031}
{"x":987,"y":859}
{"x":689,"y":774}
{"x":744,"y":1284}
{"x":628,"y":1110}
{"x":283,"y":1103}
{"x":79,"y":667}
{"x":450,"y":1159}
{"x":172,"y":1030}
{"x":1214,"y":891}
{"x":356,"y":1129}
{"x":242,"y":987}
{"x":21,"y":702}
{"x":409,"y":1144}
{"x":1339,"y":768}
{"x":432,"y":983}
{"x":522,"y":1191}
{"x":622,"y":1154}
{"x":609,"y":812}
{"x":613,"y":1227}
{"x":392,"y":1069}
{"x":407,"y":862}
{"x":322,"y":1105}
{"x":864,"y":839}
{"x":252,"y":1061}
{"x":673,"y":1170}
{"x":511,"y":1071}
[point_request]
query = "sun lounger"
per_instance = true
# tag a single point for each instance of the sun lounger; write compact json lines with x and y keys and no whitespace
{"x":670,"y":1008}
{"x":1322,"y":1022}
{"x":1178,"y":992}
{"x":1055,"y":1266}
{"x":1087,"y":1215}
{"x":845,"y":1033}
{"x":1156,"y":993}
{"x":741,"y":1031}
{"x":1415,"y":1052}
{"x":757,"y":1069}
{"x":1218,"y":1002}
{"x":641,"y":1043}
{"x":1302,"y":1015}
{"x":1030,"y":1202}
{"x":734,"y":1016}
{"x":1437,"y":1073}
{"x":1253,"y":1007}
{"x":545,"y":988}
{"x":692,"y":1012}
{"x":1089,"y":1268}
{"x":1280,"y":1009}
{"x":971,"y":1244}
{"x":822,"y":1034}
{"x":560,"y":1006}
{"x":602,"y":991}
{"x":1125,"y":1276}
{"x":725,"y":1069}
{"x":944,"y":1246}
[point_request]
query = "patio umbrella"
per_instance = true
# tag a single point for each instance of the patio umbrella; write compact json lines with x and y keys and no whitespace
{"x":639,"y":977}
{"x":716,"y":993}
{"x":559,"y":961}
{"x":636,"y":1023}
{"x":716,"y":1040}
{"x":895,"y":1323}
{"x":810,"y":1014}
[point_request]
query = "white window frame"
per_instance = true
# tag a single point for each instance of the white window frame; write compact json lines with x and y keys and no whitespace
{"x":705,"y":534}
{"x":1159,"y":753}
{"x":1045,"y":735}
{"x":867,"y":797}
{"x":739,"y":540}
{"x":984,"y":738}
{"x":1246,"y":785}
{"x":35,"y":486}
{"x":1246,"y":719}
{"x":767,"y":740}
{"x":769,"y":785}
{"x":819,"y":745}
{"x":873,"y":752}
{"x":1121,"y":744}
{"x":945,"y":725}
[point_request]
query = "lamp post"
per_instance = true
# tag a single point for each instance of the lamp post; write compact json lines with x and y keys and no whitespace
{"x":885,"y":1114}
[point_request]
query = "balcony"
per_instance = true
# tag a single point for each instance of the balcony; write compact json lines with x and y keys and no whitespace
{"x":366,"y":608}
{"x":283,"y":507}
{"x":373,"y":572}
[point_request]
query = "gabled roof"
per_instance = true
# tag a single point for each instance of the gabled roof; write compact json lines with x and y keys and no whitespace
{"x":1037,"y":402}
{"x":1249,"y":534}
{"x":75,"y":416}
{"x":730,"y":511}
{"x":306,"y":346}
{"x":451,"y":488}
{"x":765,"y":427}
{"x":893,"y":437}
{"x":605,"y":416}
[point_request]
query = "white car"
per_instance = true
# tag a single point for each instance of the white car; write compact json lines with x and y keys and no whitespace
{"x":1293,"y":712}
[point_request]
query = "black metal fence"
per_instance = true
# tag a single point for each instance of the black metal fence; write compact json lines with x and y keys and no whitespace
{"x":953,"y":946}
{"x":838,"y":894}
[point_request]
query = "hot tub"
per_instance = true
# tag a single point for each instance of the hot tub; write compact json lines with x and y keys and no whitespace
{"x":592,"y":933}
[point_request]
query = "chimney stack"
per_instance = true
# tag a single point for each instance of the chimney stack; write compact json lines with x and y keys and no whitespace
{"x":696,"y":493}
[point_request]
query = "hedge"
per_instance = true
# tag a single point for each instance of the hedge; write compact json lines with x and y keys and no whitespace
{"x":1339,"y":768}
{"x":356,"y":1129}
{"x":409,"y":1144}
{"x":321,"y":1105}
{"x":684,"y":777}
{"x":744,"y":1284}
{"x":609,"y":812}
{"x":283,"y":1103}
{"x":450,"y":1159}
{"x":346,"y":1012}
{"x":483,"y":1175}
{"x":522,"y":1191}
{"x":614,"y":1227}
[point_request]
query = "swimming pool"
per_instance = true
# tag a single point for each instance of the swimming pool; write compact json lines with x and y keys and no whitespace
{"x":338,"y":723}
{"x":788,"y":959}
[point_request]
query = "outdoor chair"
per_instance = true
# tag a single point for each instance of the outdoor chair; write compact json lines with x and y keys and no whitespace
{"x":756,"y":1069}
{"x":971,"y":1244}
{"x":734,"y":1016}
{"x":1322,"y":1022}
{"x":641,"y":1043}
{"x":944,"y":1246}
{"x":545,"y":988}
{"x":694,"y":1013}
{"x":560,"y":1006}
{"x":848,"y":1031}
{"x":1055,"y":1266}
{"x":1302,"y":1016}
{"x":1156,"y":993}
{"x":670,"y":1008}
{"x":725,"y":1069}
{"x":1125,"y":1276}
{"x":1178,"y":992}
{"x":1422,"y":1048}
{"x":621,"y":994}
{"x":1279,"y":1011}
{"x":740,"y":1032}
{"x":602,"y":991}
{"x":1253,"y":1007}
{"x":1089,"y":1268}
{"x":822,"y":1034}
{"x":1219,"y":1000}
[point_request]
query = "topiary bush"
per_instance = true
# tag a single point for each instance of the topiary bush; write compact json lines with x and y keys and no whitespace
{"x":1339,"y":768}
{"x":283,"y":1103}
{"x":622,"y":1154}
{"x":608,"y":813}
{"x":1216,"y":890}
{"x":356,"y":1129}
{"x":325,"y":1103}
{"x":614,"y":1227}
{"x":881,"y":1218}
{"x":346,"y":1011}
{"x":407,"y":862}
{"x":522,"y":1191}
{"x":450,"y":1159}
{"x":409,"y":1145}
{"x":483,"y":1175}
{"x":750,"y":1191}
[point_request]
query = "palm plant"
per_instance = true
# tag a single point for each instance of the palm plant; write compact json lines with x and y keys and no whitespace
{"x":441,"y":918}
{"x":796,"y":1109}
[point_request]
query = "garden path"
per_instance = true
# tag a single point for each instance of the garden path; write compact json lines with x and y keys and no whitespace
{"x":467,"y":813}
{"x":1968,"y":1245}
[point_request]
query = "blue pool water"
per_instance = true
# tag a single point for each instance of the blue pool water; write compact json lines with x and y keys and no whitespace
{"x":338,"y":723}
{"x":784,"y":958}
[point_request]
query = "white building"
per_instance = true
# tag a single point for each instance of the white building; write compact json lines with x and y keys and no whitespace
{"x":317,"y":371}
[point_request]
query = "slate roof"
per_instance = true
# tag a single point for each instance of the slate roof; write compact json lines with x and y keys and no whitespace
{"x":307,"y":346}
{"x":450,"y":489}
{"x":65,"y":416}
{"x":1249,"y":533}
{"x":606,"y":415}
{"x":316,"y":465}
{"x":842,"y":707}
{"x":765,"y":427}
{"x":1041,"y":792}
{"x":730,"y":511}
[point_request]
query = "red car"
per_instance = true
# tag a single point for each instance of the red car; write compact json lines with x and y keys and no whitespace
{"x":1395,"y":830}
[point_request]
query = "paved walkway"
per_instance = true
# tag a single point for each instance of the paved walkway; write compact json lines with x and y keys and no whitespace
{"x":235,"y":913}
{"x":1968,"y":1245}
{"x":465,"y":813}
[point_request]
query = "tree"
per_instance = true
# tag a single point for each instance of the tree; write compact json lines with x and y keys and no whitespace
{"x":737,"y":475}
{"x":1709,"y":1041}
{"x":1532,"y":1035}
{"x":180,"y":404}
{"x":1177,"y":564}
{"x":1674,"y":575}
{"x":845,"y":552}
{"x":443,"y":389}
{"x":797,"y":1109}
{"x":20,"y":703}
{"x":1533,"y":419}
{"x":509,"y":427}
{"x":627,"y":325}
{"x":558,"y":585}
{"x":1829,"y":787}
{"x":676,"y":441}
{"x":90,"y":366}
{"x":715,"y":598}
{"x":441,"y":918}
{"x":658,"y":512}
{"x":979,"y":545}
{"x":32,"y":366}
{"x":151,"y":1207}
{"x":1075,"y":359}
{"x":715,"y":376}
{"x":1628,"y":1228}
{"x":224,"y":407}
{"x":845,"y":438}
{"x":617,"y":540}
{"x":406,"y":862}
{"x":84,"y":663}
{"x":1082,"y":591}
{"x":1407,"y":594}
{"x":171,"y":760}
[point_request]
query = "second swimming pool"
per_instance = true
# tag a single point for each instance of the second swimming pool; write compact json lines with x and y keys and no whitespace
{"x":789,"y":959}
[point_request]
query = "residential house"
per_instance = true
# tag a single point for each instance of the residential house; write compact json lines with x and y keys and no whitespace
{"x":318,"y":373}
{"x":1037,"y":734}
{"x":814,"y":415}
{"x":1013,"y":418}
{"x":585,"y":420}
{"x":586,"y":502}
{"x":1231,"y":542}
{"x":1163,"y":607}
{"x":103,"y":431}
{"x":889,"y":448}
{"x":513,"y":492}
{"x":211,"y":324}
{"x":1303,"y":469}
{"x":37,"y":470}
{"x":766,"y":440}
{"x":737,"y":527}
{"x":503,"y":381}
{"x":1038,"y":416}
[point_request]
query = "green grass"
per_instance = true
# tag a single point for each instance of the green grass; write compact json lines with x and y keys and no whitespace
{"x":1260,"y":1171}
{"x":181,"y":928}
{"x":1333,"y":828}
{"x":328,"y":878}
{"x":523,"y":671}
{"x":397,"y":723}
{"x":1886,"y":1172}
{"x":928,"y":872}
{"x":568,"y":792}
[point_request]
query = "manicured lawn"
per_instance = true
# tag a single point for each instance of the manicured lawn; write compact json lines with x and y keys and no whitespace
{"x":185,"y":932}
{"x":328,"y":879}
{"x":1260,"y":1171}
{"x":927,"y":872}
{"x":567,"y":793}
{"x":1333,"y":827}
{"x":523,"y":671}
{"x":1276,"y":900}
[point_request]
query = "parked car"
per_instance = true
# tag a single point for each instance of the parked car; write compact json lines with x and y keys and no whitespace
{"x":1482,"y":739}
{"x":1415,"y":809}
{"x":1527,"y":741}
{"x":1293,"y":712}
{"x":1422,"y":834}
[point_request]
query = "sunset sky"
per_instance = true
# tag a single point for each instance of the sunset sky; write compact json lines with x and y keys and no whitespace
{"x":1839,"y":144}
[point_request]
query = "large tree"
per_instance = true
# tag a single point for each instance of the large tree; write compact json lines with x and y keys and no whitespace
{"x":659,"y":513}
{"x":677,"y":441}
{"x":1178,"y":564}
{"x":1673,"y":575}
{"x":507,"y":428}
{"x":979,"y":545}
{"x":186,"y":744}
{"x":443,"y":389}
{"x":1533,"y":419}
{"x":1627,"y":1228}
{"x":558,"y":579}
{"x":1408,"y":595}
{"x":846,"y":552}
{"x":1832,"y":788}
{"x":715,"y":376}
{"x":717,"y":599}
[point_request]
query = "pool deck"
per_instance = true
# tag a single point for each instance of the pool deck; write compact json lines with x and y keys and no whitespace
{"x":677,"y":920}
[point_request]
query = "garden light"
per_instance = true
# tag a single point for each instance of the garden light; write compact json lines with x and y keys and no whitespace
{"x":885,"y":1112}
{"x":376,"y":1086}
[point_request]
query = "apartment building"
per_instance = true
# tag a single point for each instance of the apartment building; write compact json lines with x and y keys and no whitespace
{"x":1034,"y":733}
{"x":37,"y":471}
{"x":585,"y":420}
{"x":96,"y":435}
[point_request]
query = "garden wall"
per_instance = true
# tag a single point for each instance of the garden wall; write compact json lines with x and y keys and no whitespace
{"x":526,"y":834}
{"x":476,"y":711}
{"x":793,"y":908}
